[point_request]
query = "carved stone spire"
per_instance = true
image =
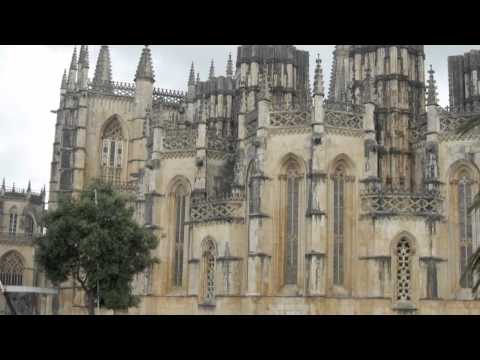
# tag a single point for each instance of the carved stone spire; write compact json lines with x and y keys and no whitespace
{"x":72,"y":74}
{"x":229,"y":66}
{"x":83,"y":57}
{"x":145,"y":67}
{"x":64,"y":80}
{"x":318,"y":86}
{"x":191,"y":78}
{"x":198,"y":78}
{"x":3,"y":185}
{"x":103,"y":70}
{"x":212,"y":71}
{"x":29,"y":187}
{"x":431,"y":88}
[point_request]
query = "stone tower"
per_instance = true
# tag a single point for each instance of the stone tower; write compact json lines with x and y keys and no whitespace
{"x":464,"y":81}
{"x":392,"y":78}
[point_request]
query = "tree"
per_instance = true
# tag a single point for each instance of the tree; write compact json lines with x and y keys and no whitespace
{"x":96,"y":242}
{"x":473,"y":265}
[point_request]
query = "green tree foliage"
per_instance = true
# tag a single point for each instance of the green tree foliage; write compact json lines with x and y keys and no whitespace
{"x":96,"y":243}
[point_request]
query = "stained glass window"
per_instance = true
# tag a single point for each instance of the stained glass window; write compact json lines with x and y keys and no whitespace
{"x":291,"y":244}
{"x":112,"y":152}
{"x":180,"y":199}
{"x":12,"y":228}
{"x":338,"y":227}
{"x":465,"y":226}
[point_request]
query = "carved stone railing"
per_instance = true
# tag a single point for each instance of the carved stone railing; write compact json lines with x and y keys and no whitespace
{"x":112,"y":88}
{"x":342,"y":119}
{"x":343,"y":107}
{"x":17,"y":238}
{"x":381,"y":204}
{"x":180,"y":139}
{"x":169,"y":97}
{"x":290,"y":118}
{"x":218,"y":143}
{"x":228,"y":209}
{"x":450,"y":121}
{"x":125,"y":187}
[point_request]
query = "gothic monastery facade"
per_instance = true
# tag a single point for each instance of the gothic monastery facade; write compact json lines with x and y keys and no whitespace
{"x":269,"y":197}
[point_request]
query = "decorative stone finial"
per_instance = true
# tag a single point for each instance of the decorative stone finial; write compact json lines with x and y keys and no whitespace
{"x":64,"y":80}
{"x":198,"y":78}
{"x":191,"y":78}
{"x":145,"y":67}
{"x":212,"y":71}
{"x":83,"y":57}
{"x":29,"y":187}
{"x":431,"y":88}
{"x":103,"y":70}
{"x":229,"y":66}
{"x":319,"y":87}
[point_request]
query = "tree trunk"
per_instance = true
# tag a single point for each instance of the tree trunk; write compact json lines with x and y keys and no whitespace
{"x":91,"y":302}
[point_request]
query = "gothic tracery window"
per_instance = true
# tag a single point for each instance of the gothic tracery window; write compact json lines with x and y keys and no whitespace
{"x":11,"y":269}
{"x":180,"y":197}
{"x":112,"y":152}
{"x":291,"y":238}
{"x":12,"y":226}
{"x":465,"y":227}
{"x":338,"y":225}
{"x":29,"y":226}
{"x":404,"y":259}
{"x":209,"y":262}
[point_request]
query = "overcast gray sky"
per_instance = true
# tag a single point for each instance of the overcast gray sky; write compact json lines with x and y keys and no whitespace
{"x":30,"y":78}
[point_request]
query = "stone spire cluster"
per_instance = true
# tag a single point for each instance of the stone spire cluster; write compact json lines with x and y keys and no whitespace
{"x":103,"y":70}
{"x":431,"y":88}
{"x":145,"y":67}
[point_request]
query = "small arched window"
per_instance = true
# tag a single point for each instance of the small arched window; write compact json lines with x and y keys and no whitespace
{"x":11,"y":269}
{"x":404,"y":260}
{"x":112,"y":152}
{"x":465,"y":228}
{"x":209,"y":262}
{"x":29,"y":226}
{"x":180,"y":197}
{"x":12,"y":227}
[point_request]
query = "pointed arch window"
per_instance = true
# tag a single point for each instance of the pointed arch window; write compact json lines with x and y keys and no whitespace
{"x":403,"y":276}
{"x":112,"y":152}
{"x":180,"y":197}
{"x":291,"y":236}
{"x":12,"y":226}
{"x":29,"y":226}
{"x":465,"y":227}
{"x":209,"y":264}
{"x":11,"y":269}
{"x":338,"y":225}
